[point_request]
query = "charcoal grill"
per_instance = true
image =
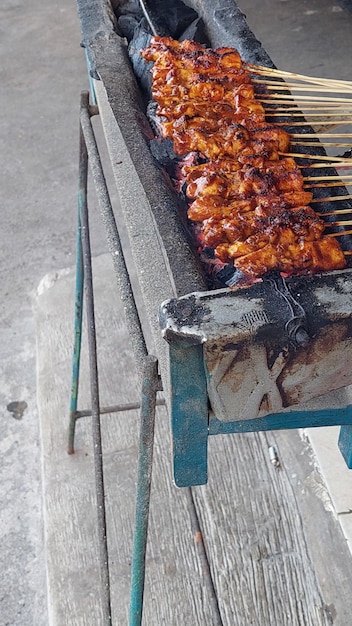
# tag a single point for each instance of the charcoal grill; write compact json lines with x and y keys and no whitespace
{"x":259,"y":358}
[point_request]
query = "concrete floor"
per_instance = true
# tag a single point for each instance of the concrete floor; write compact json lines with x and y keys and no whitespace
{"x":43,"y":71}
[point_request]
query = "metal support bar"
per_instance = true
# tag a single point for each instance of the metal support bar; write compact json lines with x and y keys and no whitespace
{"x":105,"y":410}
{"x":94,"y":387}
{"x":150,"y":378}
{"x":145,"y":461}
{"x":78,"y":316}
{"x":117,"y":408}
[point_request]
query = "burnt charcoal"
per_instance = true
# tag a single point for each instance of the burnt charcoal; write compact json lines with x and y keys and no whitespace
{"x":224,"y":274}
{"x":156,"y":21}
{"x":128,"y":7}
{"x":173,"y":19}
{"x":230,"y":277}
{"x":154,"y":118}
{"x":346,"y":155}
{"x":184,"y":189}
{"x":209,"y":253}
{"x":196,"y":32}
{"x":126,"y":25}
{"x":141,"y":39}
{"x":163,"y":151}
{"x":176,"y":15}
{"x":130,"y":15}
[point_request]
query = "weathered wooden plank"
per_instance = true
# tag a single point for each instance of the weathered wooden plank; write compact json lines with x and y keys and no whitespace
{"x":278,"y":555}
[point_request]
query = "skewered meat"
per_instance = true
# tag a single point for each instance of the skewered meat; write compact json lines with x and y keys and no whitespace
{"x":248,"y":179}
{"x":248,"y":201}
{"x":316,"y":256}
{"x":216,"y":206}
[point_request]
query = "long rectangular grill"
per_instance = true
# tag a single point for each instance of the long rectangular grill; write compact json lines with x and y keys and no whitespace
{"x":251,"y":354}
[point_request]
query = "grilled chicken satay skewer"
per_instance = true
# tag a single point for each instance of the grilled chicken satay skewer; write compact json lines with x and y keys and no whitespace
{"x":197,"y":90}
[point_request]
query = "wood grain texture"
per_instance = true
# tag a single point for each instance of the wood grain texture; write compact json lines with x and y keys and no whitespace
{"x":275,"y":548}
{"x":256,"y":537}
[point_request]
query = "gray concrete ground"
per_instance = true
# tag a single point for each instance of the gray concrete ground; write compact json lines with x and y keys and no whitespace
{"x":43,"y":70}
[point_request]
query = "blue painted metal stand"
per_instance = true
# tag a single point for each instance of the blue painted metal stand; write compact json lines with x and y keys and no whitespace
{"x":345,"y":440}
{"x":189,"y":415}
{"x":150,"y":385}
{"x":192,"y":424}
{"x":78,"y":315}
{"x":149,"y":365}
{"x":84,"y":278}
{"x":220,"y":344}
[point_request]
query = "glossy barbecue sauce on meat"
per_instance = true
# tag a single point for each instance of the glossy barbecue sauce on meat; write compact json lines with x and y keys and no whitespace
{"x":248,"y":200}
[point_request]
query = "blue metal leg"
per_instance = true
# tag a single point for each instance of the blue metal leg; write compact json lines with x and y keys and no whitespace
{"x":78,"y":315}
{"x":91,"y":84}
{"x":190,"y":427}
{"x":345,"y":444}
{"x":150,"y":385}
{"x":94,"y":381}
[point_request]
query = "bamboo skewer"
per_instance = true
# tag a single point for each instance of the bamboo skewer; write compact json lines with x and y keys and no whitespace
{"x":321,"y":123}
{"x":282,"y":96}
{"x":330,"y":106}
{"x":297,"y":87}
{"x":329,"y":85}
{"x":320,"y":112}
{"x":340,"y":234}
{"x":325,"y":166}
{"x":317,"y":135}
{"x":285,"y":82}
{"x":313,"y":104}
{"x":324,"y":185}
{"x":317,"y":103}
{"x":341,"y":223}
{"x":304,"y":106}
{"x":317,"y":143}
{"x":316,"y":157}
{"x":332,"y":199}
{"x":344,"y":177}
{"x":322,"y":106}
{"x":266,"y":77}
{"x":279,"y":114}
{"x":301,"y":139}
{"x":269,"y":71}
{"x":337,"y":212}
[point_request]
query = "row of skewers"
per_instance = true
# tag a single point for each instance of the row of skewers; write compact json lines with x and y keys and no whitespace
{"x":249,"y":189}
